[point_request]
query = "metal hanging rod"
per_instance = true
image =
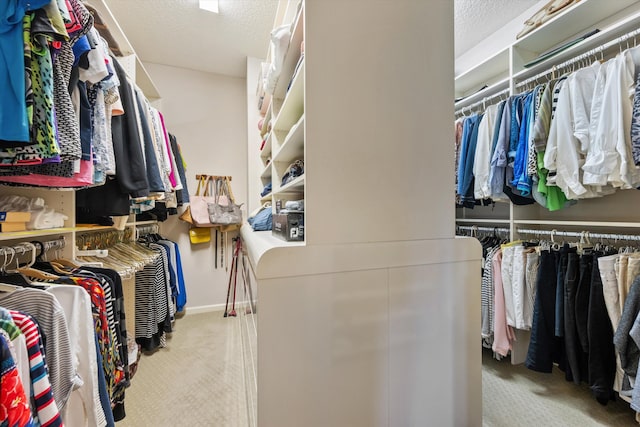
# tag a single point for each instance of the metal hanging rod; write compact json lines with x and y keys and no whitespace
{"x":37,"y":246}
{"x":143,"y":230}
{"x":580,"y":234}
{"x":54,"y":244}
{"x":483,"y":102}
{"x":593,"y":52}
{"x":474,"y":228}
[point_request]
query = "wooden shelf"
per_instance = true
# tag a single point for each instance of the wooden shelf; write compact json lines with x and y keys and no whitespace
{"x":32,"y":234}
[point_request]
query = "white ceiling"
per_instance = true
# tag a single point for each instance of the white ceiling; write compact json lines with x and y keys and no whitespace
{"x":177,"y":33}
{"x":477,"y":19}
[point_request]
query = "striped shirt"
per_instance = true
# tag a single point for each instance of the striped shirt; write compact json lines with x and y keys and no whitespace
{"x":48,"y":313}
{"x":45,"y":405}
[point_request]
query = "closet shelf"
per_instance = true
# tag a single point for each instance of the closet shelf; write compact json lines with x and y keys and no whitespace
{"x":290,"y":59}
{"x":266,"y":173}
{"x":293,"y":146}
{"x":493,"y":69}
{"x":483,"y":221}
{"x":569,"y":23}
{"x":611,"y":32}
{"x":293,"y":187}
{"x":266,"y":151}
{"x":141,"y":77}
{"x":293,"y":105}
{"x":259,"y":242}
{"x":266,"y":198}
{"x":30,"y":234}
{"x":589,"y":224}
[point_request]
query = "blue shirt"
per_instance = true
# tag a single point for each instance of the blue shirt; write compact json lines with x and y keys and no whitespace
{"x":14,"y":122}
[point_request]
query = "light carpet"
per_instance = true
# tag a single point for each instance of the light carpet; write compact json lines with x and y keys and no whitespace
{"x":198,"y":381}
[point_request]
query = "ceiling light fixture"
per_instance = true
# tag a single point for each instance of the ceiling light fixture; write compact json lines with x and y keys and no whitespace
{"x":209,"y":5}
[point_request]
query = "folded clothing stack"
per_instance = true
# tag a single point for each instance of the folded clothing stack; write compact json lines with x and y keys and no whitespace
{"x":42,"y":217}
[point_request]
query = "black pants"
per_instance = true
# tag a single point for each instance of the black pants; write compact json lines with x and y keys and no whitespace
{"x":544,"y":346}
{"x":602,"y":358}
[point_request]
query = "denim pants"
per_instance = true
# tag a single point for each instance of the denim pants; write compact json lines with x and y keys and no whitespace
{"x":606,"y":266}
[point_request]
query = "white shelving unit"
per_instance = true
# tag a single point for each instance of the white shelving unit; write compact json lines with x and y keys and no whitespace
{"x":356,"y":114}
{"x":284,"y":125}
{"x":613,"y":19}
{"x":616,"y":213}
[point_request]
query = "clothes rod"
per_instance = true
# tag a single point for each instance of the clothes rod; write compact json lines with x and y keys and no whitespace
{"x":593,"y":52}
{"x":483,"y":102}
{"x":581,"y":234}
{"x":482,"y":229}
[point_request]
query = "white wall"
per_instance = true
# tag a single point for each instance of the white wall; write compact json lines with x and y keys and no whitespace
{"x":208,"y":115}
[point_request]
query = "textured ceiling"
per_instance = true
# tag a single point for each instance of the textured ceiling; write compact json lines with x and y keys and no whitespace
{"x":178,"y":33}
{"x":477,"y":19}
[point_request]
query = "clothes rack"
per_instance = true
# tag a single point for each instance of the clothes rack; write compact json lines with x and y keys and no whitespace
{"x":502,"y":94}
{"x":143,"y":230}
{"x":582,"y":234}
{"x":582,"y":57}
{"x":475,"y":229}
{"x":102,"y":239}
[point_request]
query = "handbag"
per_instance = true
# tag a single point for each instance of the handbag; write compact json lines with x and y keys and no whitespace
{"x":198,"y":203}
{"x":221,"y":213}
{"x":199,"y":235}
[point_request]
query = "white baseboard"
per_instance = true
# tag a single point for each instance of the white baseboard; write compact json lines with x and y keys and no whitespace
{"x":204,"y":309}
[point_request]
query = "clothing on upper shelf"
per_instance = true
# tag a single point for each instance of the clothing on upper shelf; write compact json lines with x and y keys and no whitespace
{"x":72,"y":117}
{"x":572,"y":138}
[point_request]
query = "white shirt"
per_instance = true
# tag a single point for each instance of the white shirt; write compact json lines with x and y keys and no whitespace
{"x":609,"y":159}
{"x":84,"y":407}
{"x":482,"y":159}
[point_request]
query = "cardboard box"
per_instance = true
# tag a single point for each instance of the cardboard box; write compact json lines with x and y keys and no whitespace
{"x":15,"y":216}
{"x":12,"y":226}
{"x":289,"y":226}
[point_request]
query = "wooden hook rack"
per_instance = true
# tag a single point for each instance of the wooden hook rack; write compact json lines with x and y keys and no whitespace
{"x":200,"y":176}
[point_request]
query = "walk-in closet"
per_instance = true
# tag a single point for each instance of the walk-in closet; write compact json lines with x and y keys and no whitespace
{"x":231,"y":213}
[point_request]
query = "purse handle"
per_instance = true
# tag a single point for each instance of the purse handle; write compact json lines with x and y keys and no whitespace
{"x":227,"y":184}
{"x":203,"y":183}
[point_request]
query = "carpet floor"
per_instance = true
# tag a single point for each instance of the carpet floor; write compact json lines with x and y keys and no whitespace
{"x":197,"y":380}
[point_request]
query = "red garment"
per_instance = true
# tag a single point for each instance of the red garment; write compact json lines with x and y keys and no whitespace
{"x":14,"y":405}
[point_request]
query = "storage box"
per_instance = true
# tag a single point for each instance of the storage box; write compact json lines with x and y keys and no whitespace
{"x":15,"y":216}
{"x":7,"y":226}
{"x":289,"y":226}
